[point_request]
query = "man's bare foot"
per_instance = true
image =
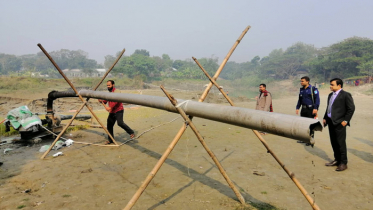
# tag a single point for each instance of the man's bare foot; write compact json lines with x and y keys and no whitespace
{"x":132,"y":136}
{"x":107,"y":142}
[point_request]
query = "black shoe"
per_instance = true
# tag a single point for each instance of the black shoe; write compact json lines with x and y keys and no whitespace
{"x":333,"y":163}
{"x":341,"y":167}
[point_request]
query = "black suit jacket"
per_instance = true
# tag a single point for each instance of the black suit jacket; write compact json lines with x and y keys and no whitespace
{"x":342,"y":109}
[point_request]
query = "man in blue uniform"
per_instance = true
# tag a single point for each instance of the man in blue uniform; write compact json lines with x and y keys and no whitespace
{"x":309,"y":99}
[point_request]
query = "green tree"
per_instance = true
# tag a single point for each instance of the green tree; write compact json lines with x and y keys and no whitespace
{"x":366,"y":68}
{"x":142,"y":52}
{"x":159,"y":63}
{"x":167,"y":62}
{"x":285,"y":64}
{"x":10,"y":63}
{"x":271,"y":63}
{"x":28,"y":62}
{"x":136,"y":64}
{"x":345,"y":56}
{"x":143,"y":64}
{"x":231,"y":71}
{"x":109,"y":60}
{"x":42,"y":63}
{"x":178,"y":64}
{"x":209,"y":64}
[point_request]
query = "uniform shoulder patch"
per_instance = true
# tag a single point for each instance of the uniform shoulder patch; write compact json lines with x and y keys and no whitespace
{"x":315,"y":91}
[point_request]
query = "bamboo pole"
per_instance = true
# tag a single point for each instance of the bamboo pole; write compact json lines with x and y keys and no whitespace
{"x":80,"y":97}
{"x":181,"y":131}
{"x":213,"y":81}
{"x":156,"y":168}
{"x":290,"y":174}
{"x":200,"y":138}
{"x":215,"y":77}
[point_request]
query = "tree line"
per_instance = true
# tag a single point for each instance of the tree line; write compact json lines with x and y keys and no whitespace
{"x":348,"y":58}
{"x":32,"y":63}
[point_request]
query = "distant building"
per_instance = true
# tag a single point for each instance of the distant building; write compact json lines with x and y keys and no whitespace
{"x":81,"y":73}
{"x":168,"y":72}
{"x":100,"y":72}
{"x":37,"y":74}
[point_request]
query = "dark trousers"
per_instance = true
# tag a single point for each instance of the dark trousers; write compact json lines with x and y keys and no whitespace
{"x":117,"y":117}
{"x":337,"y":135}
{"x":307,"y":112}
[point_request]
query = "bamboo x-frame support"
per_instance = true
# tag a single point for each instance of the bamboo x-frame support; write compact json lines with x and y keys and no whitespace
{"x":188,"y":122}
{"x":290,"y":174}
{"x":85,"y":103}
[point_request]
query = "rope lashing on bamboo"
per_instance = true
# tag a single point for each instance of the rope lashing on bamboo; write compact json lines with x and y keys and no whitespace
{"x":182,"y":103}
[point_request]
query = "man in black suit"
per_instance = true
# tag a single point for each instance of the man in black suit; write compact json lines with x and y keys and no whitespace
{"x":338,"y":115}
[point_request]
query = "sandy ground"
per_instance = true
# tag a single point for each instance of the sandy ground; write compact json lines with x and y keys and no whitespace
{"x":91,"y":177}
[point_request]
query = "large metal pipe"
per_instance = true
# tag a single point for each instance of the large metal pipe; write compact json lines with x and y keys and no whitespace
{"x":294,"y":127}
{"x":57,"y":94}
{"x":290,"y":126}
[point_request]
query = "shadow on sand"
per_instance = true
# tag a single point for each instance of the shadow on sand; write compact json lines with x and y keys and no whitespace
{"x":317,"y":152}
{"x":202,"y":178}
{"x":370,"y":143}
{"x":366,"y":156}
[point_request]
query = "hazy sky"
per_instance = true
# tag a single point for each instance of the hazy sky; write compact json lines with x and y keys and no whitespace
{"x":181,"y":29}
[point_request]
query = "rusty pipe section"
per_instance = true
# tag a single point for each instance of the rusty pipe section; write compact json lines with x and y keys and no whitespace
{"x":289,"y":126}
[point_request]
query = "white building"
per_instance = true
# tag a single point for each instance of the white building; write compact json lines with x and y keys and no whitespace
{"x":80,"y":73}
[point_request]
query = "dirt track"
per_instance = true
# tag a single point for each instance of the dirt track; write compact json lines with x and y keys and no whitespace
{"x":89,"y":177}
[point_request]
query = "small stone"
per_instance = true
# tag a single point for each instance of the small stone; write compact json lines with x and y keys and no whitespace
{"x":27,"y":191}
{"x":259,"y":173}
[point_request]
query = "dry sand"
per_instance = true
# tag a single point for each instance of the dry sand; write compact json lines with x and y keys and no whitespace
{"x":91,"y":177}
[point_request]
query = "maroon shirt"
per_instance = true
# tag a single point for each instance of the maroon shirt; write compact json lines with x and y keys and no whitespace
{"x":115,"y":106}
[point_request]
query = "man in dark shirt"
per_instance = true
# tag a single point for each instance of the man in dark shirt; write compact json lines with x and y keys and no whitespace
{"x":116,"y":111}
{"x":309,"y":99}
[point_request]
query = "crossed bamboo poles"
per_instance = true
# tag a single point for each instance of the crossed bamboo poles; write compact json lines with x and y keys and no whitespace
{"x":188,"y":122}
{"x":85,"y":103}
{"x":290,"y":174}
{"x":156,"y":168}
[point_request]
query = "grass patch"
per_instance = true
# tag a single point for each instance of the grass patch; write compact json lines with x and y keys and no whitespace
{"x":29,"y":84}
{"x":9,"y":133}
{"x":77,"y":128}
{"x":26,"y":199}
{"x":21,"y":206}
{"x":263,"y":193}
{"x":66,"y":196}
